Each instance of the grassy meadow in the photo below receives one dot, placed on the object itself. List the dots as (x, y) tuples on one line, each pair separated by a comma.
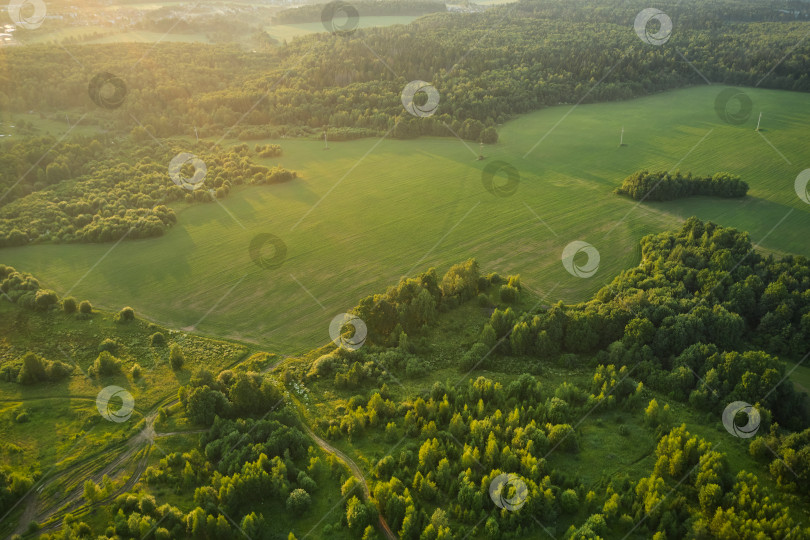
[(366, 212), (289, 31)]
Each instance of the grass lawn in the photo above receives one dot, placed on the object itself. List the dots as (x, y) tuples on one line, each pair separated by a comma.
[(366, 212)]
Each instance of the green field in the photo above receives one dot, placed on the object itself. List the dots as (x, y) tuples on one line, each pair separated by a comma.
[(289, 31), (278, 31), (414, 204)]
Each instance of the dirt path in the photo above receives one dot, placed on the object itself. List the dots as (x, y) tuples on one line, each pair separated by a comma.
[(355, 471), (136, 450)]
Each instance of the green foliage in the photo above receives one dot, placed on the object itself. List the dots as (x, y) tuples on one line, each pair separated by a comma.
[(105, 364), (509, 294), (461, 280), (157, 339), (126, 314), (176, 357), (110, 191), (245, 394), (357, 515), (663, 186), (569, 501), (69, 305), (298, 501), (110, 345), (85, 307), (33, 369), (45, 299)]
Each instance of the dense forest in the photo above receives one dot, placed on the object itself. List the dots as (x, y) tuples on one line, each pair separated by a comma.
[(523, 59), (663, 186), (649, 341), (474, 408)]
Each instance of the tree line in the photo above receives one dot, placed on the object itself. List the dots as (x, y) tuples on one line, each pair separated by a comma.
[(664, 186), (528, 55)]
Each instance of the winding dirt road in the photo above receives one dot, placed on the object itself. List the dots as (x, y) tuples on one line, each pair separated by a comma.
[(137, 450), (355, 471)]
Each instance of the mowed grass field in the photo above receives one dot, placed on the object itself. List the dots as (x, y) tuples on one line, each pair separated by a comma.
[(289, 31), (364, 213)]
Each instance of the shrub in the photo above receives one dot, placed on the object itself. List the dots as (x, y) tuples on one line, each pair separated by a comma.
[(106, 364), (32, 370), (126, 314), (136, 371), (483, 300), (69, 305), (157, 339), (569, 501), (109, 345), (85, 307), (509, 294), (45, 299), (21, 418), (563, 435), (55, 370), (415, 368), (298, 501), (476, 358), (176, 357)]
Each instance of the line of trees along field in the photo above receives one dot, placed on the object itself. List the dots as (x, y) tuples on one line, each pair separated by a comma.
[(651, 329), (663, 186), (528, 55)]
